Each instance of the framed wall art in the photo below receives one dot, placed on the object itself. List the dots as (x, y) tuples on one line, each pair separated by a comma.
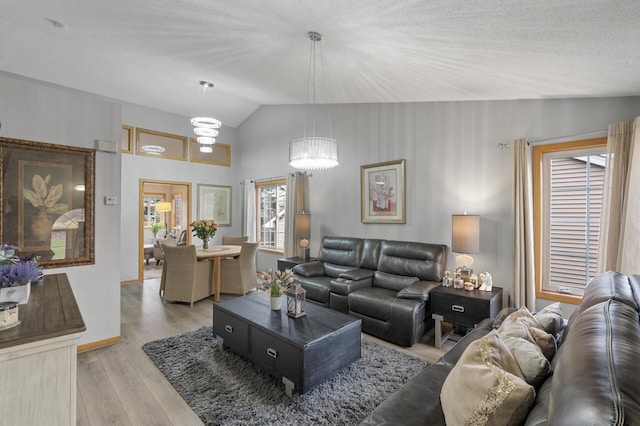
[(47, 201), (214, 202), (382, 190)]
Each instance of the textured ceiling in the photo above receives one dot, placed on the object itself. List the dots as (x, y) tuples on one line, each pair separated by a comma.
[(256, 52)]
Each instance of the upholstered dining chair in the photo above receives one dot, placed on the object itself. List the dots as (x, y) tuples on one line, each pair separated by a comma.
[(182, 239), (158, 253), (239, 275), (234, 241), (184, 277)]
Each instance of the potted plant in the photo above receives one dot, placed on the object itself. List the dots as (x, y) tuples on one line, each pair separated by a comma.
[(275, 283), (204, 229), (16, 275), (155, 228)]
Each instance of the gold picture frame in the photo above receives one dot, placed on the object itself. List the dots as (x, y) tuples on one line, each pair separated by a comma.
[(47, 201), (382, 192)]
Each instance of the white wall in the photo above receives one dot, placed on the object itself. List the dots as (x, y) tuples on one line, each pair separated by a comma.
[(136, 167), (42, 113), (453, 163)]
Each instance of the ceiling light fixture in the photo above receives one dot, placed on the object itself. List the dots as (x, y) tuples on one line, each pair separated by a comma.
[(312, 152), (153, 149), (206, 149), (205, 127)]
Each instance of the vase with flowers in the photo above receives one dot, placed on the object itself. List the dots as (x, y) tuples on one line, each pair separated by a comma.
[(16, 275), (204, 229), (275, 283)]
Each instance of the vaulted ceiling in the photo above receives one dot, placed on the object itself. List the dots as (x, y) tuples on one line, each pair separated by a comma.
[(256, 52)]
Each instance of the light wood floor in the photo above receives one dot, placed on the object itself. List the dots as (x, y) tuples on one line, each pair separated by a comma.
[(119, 385)]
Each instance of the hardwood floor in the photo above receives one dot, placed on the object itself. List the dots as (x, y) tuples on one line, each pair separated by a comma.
[(119, 385)]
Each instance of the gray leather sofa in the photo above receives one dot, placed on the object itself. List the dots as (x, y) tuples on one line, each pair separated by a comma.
[(384, 283), (592, 378)]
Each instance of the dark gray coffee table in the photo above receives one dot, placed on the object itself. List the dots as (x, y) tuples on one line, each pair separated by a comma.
[(303, 352)]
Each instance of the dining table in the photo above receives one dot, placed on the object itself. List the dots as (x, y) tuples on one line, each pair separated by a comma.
[(215, 253)]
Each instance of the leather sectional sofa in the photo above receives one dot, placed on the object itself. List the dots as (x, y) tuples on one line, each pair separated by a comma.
[(591, 380), (384, 283)]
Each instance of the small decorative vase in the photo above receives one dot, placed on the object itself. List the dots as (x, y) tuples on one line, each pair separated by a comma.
[(276, 303), (19, 294), (205, 243)]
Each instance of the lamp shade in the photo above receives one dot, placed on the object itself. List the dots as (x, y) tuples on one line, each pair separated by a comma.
[(465, 233), (303, 225), (163, 206)]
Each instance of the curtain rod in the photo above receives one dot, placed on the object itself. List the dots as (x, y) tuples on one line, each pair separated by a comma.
[(557, 139)]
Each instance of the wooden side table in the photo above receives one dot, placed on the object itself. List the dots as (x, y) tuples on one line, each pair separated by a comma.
[(290, 262), (463, 308)]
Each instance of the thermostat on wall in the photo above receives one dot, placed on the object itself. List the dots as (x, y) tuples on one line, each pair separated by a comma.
[(110, 200)]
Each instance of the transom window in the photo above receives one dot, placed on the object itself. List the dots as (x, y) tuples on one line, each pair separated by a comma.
[(271, 202), (568, 189)]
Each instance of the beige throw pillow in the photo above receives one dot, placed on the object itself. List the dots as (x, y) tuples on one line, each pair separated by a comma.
[(486, 386), (544, 340), (550, 318)]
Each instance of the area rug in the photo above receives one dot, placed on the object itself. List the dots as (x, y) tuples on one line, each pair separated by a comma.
[(224, 389)]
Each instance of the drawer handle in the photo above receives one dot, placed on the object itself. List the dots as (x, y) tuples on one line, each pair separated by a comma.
[(272, 353), (457, 308), (228, 328)]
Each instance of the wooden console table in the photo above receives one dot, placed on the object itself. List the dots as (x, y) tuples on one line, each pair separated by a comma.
[(38, 358)]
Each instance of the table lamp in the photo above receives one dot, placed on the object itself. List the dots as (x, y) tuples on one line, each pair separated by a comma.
[(303, 232), (465, 239)]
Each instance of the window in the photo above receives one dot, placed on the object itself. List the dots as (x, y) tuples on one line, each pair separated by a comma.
[(151, 216), (568, 185), (271, 202)]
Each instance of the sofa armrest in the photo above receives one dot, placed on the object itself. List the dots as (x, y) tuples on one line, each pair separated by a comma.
[(357, 274), (309, 269), (343, 286), (419, 290)]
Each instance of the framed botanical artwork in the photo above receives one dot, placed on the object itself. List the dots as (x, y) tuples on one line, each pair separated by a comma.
[(47, 201), (214, 202), (382, 190)]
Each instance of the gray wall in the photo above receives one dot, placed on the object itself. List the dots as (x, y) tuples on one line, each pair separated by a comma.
[(136, 167), (43, 113), (453, 163)]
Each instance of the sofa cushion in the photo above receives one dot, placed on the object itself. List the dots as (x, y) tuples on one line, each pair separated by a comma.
[(334, 271), (317, 288), (373, 302), (486, 386), (370, 254), (419, 290), (532, 362), (522, 323), (425, 261), (595, 379), (345, 251)]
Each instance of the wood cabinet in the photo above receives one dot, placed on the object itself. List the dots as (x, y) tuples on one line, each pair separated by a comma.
[(38, 358)]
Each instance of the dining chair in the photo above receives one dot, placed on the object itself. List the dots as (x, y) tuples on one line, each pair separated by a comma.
[(184, 277), (234, 241), (239, 275)]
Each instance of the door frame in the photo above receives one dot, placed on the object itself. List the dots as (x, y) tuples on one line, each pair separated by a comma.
[(187, 202)]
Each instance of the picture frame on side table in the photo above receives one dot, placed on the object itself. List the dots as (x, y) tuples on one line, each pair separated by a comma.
[(47, 201), (214, 202), (382, 188)]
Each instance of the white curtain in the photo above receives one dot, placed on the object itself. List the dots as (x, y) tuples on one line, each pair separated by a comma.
[(290, 249), (249, 211), (524, 277), (296, 189), (619, 223)]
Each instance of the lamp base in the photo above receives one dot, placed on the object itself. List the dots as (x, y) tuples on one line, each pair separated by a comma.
[(303, 253)]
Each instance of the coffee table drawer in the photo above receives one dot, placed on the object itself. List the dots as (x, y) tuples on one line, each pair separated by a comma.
[(233, 331), (275, 356)]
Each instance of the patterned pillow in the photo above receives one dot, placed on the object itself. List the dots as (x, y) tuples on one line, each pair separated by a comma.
[(486, 386)]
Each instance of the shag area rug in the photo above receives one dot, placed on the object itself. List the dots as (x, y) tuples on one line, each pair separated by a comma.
[(225, 389)]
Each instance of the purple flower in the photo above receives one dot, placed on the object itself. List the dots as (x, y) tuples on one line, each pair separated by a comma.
[(21, 273)]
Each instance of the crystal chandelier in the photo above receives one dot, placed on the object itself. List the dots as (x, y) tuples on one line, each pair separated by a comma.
[(205, 127), (312, 152)]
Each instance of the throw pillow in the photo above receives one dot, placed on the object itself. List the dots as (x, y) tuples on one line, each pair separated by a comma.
[(550, 317), (523, 319), (486, 387), (523, 314), (532, 362)]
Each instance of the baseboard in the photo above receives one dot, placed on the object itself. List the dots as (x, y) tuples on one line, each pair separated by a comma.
[(99, 344)]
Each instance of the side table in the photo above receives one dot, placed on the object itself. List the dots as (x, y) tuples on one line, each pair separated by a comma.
[(463, 308), (290, 262)]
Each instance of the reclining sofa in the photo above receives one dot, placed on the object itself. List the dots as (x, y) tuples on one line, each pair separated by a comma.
[(591, 379), (384, 283)]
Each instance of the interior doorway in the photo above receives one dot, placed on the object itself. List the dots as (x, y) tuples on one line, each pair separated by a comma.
[(164, 212)]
